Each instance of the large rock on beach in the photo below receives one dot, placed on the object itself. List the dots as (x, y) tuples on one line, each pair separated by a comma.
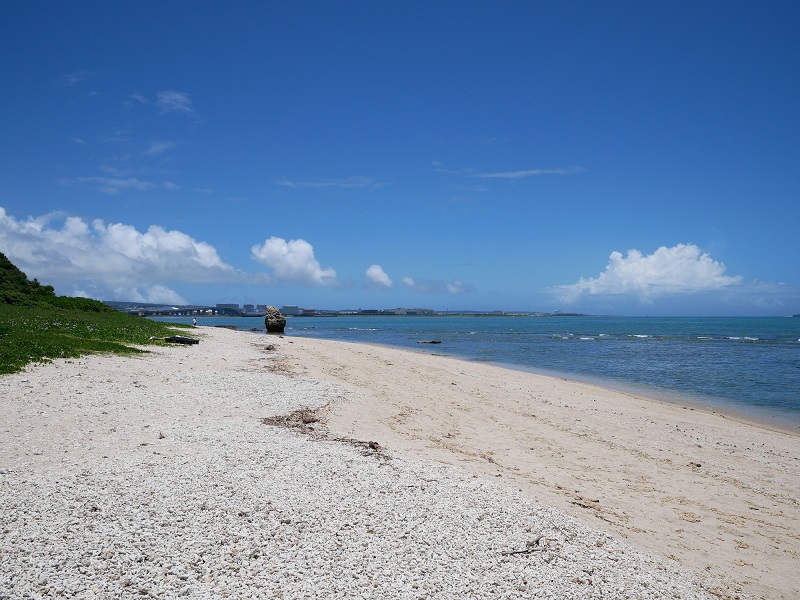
[(274, 320)]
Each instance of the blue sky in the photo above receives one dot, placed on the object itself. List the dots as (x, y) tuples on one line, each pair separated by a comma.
[(610, 158)]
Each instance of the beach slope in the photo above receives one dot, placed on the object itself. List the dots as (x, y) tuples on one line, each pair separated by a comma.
[(186, 473), (706, 490)]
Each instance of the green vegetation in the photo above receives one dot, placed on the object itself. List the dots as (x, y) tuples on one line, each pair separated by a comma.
[(37, 326)]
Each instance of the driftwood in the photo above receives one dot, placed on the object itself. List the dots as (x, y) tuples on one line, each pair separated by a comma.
[(535, 545), (526, 551), (179, 339)]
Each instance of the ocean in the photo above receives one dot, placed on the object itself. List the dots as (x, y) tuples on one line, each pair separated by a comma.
[(746, 365)]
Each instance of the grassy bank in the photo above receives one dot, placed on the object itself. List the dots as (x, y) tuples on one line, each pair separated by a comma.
[(38, 326), (40, 333)]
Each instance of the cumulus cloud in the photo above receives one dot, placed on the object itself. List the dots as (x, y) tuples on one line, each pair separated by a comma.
[(376, 276), (109, 260), (293, 262), (437, 287), (681, 269)]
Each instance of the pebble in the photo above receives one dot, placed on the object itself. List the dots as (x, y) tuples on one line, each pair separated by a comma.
[(235, 508)]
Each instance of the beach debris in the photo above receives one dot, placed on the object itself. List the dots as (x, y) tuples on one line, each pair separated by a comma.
[(429, 341), (585, 502), (488, 458), (370, 448), (180, 339), (311, 422), (274, 320), (537, 544), (297, 419)]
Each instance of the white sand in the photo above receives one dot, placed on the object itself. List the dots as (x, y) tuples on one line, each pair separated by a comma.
[(155, 476), (714, 494)]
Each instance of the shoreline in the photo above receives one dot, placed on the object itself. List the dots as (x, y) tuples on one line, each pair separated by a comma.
[(691, 485), (155, 475), (673, 397), (670, 397), (769, 416), (651, 394)]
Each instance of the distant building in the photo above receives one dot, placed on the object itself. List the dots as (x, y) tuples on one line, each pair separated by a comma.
[(251, 310), (290, 309), (227, 310)]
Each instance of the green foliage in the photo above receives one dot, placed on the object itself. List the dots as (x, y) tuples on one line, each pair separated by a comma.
[(16, 288), (85, 304), (38, 326), (41, 333)]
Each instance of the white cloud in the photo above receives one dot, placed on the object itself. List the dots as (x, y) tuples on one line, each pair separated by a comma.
[(681, 269), (457, 287), (109, 260), (529, 173), (293, 262), (171, 101), (72, 80), (116, 185), (139, 98), (157, 294), (378, 277), (112, 185), (518, 174), (159, 147), (436, 287), (347, 183)]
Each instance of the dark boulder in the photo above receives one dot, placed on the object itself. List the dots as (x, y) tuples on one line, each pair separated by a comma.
[(274, 320)]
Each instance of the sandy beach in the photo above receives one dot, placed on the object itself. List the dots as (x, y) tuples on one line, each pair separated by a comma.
[(697, 487), (157, 475)]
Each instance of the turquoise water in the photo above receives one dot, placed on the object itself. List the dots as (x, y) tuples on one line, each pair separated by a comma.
[(749, 365)]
